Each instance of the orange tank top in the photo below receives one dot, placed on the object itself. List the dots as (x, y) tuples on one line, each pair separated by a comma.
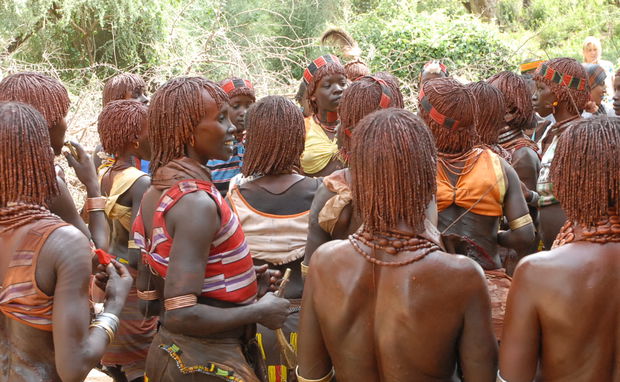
[(481, 190), (20, 297)]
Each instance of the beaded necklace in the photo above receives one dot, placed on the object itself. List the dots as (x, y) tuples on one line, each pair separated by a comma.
[(469, 159), (606, 230), (328, 127), (391, 243)]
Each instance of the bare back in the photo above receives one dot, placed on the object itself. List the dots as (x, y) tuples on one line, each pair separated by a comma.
[(407, 323), (571, 295)]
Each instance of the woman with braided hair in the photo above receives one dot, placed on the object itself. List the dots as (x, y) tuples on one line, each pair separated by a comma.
[(562, 89), (375, 306), (123, 131), (242, 96), (120, 87), (543, 335), (524, 157), (325, 81), (332, 214), (475, 187), (597, 81), (273, 208), (198, 266), (48, 96), (45, 265)]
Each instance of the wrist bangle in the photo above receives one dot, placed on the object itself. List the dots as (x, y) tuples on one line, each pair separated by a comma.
[(520, 222), (96, 203), (499, 378), (148, 295), (326, 378)]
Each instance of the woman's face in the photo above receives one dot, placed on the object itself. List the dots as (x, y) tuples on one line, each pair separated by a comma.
[(597, 93), (213, 136), (590, 53), (543, 99), (57, 136), (329, 91), (617, 95), (237, 108), (144, 143)]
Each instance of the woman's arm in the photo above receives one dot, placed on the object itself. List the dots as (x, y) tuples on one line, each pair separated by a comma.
[(193, 222), (521, 235)]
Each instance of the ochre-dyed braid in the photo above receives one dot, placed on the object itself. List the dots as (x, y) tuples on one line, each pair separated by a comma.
[(324, 71), (456, 101), (575, 99), (275, 137), (120, 123), (356, 69), (360, 99), (585, 171), (174, 112), (27, 176), (392, 151), (491, 111), (117, 87), (45, 94), (517, 96)]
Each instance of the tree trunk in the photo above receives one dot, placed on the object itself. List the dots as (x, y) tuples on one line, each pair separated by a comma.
[(486, 9), (18, 41)]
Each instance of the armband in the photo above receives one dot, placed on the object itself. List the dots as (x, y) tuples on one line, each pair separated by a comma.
[(96, 204), (179, 302), (520, 222), (304, 270), (148, 295)]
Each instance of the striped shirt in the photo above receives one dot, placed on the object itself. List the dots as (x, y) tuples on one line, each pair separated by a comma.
[(222, 171), (229, 275)]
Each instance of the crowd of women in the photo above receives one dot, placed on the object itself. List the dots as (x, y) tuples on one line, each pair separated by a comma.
[(226, 237)]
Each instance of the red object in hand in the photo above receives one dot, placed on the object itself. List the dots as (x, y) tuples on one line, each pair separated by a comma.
[(103, 256)]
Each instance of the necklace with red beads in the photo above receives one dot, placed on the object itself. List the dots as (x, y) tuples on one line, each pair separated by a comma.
[(391, 243), (606, 230)]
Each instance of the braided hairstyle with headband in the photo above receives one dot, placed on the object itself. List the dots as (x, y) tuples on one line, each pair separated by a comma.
[(491, 111), (46, 94), (451, 112), (117, 87), (275, 137), (235, 86), (517, 96), (323, 66), (27, 176), (588, 184), (176, 108), (393, 151), (364, 96), (120, 123), (568, 81)]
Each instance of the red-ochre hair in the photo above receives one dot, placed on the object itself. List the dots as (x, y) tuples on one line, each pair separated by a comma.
[(275, 137), (361, 98), (120, 123), (116, 88), (392, 151), (517, 96), (448, 99), (575, 98), (586, 169), (176, 108), (492, 110), (26, 162), (235, 86), (46, 94)]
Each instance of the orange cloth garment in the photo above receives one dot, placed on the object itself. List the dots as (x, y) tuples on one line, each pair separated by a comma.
[(20, 297), (482, 189)]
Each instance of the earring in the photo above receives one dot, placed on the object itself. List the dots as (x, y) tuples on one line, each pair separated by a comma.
[(554, 104), (136, 145)]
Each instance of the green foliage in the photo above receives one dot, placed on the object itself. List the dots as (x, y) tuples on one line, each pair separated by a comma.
[(470, 48)]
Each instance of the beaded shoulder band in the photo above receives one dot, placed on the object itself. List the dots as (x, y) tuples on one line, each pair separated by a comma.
[(435, 115)]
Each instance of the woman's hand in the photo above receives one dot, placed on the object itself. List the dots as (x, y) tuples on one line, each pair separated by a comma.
[(268, 279), (116, 281), (84, 168), (274, 311)]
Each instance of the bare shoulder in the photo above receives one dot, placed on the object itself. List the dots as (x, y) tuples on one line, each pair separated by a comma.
[(329, 252), (67, 243), (462, 270)]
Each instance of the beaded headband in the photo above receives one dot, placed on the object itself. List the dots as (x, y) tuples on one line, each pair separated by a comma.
[(384, 102), (528, 66), (236, 83), (435, 114), (559, 78), (596, 76), (316, 64)]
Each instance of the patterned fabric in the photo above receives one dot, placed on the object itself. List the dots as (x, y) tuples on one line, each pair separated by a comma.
[(544, 186), (319, 150), (230, 274), (277, 239), (482, 189), (20, 297), (223, 171)]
